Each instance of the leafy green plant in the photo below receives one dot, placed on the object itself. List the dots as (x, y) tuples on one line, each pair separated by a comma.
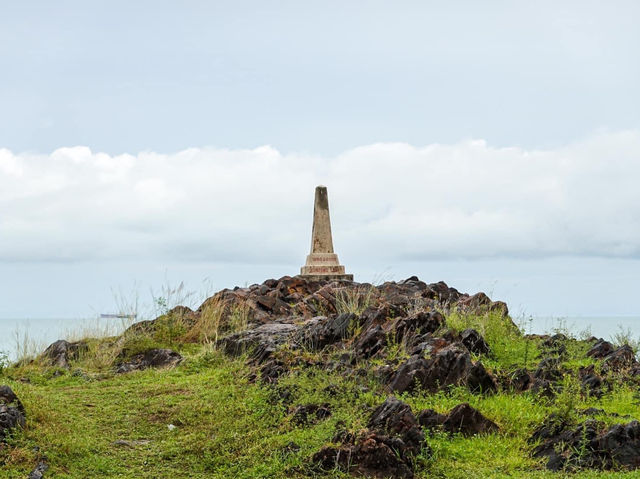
[(4, 361)]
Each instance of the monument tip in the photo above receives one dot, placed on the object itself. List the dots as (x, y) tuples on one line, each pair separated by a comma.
[(322, 262)]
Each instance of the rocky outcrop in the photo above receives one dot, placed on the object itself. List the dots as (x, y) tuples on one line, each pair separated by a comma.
[(449, 366), (386, 449), (12, 414), (153, 358), (468, 421), (474, 342), (60, 353), (266, 336), (589, 444), (462, 419)]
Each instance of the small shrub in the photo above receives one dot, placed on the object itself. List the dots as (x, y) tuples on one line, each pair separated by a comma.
[(354, 300), (207, 328), (624, 336), (4, 361)]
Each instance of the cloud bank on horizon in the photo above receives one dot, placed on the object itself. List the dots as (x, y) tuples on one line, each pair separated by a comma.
[(389, 201)]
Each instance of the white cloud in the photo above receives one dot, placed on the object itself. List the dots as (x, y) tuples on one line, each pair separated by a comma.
[(389, 201)]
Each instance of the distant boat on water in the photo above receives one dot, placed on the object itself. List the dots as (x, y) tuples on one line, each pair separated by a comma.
[(118, 316)]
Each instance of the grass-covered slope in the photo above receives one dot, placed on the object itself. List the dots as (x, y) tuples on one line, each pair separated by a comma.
[(215, 415)]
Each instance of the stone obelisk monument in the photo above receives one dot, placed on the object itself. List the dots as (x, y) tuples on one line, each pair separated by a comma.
[(322, 263)]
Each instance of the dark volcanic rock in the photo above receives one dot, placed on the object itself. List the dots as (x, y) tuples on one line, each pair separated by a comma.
[(386, 450), (468, 421), (321, 331), (430, 419), (11, 412), (589, 444), (449, 366), (370, 342), (590, 381), (620, 359), (9, 398), (61, 352), (548, 370), (410, 374), (153, 358), (474, 342), (269, 335), (520, 380), (373, 456), (417, 325), (393, 417), (600, 349), (480, 381)]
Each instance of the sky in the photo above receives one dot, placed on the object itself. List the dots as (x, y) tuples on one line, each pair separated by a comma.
[(493, 145)]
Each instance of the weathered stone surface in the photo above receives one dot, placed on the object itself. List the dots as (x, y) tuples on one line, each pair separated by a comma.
[(448, 366), (370, 342), (480, 381), (39, 470), (12, 413), (417, 325), (468, 421), (153, 358), (474, 342), (266, 335), (600, 349), (386, 450), (321, 331), (589, 444), (620, 359), (61, 352), (410, 375), (430, 419)]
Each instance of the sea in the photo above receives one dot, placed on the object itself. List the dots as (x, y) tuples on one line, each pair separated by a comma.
[(28, 336), (33, 335)]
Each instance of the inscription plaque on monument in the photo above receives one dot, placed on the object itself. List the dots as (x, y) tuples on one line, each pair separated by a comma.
[(322, 262)]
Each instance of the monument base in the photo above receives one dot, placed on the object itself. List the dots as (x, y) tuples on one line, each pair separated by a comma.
[(327, 277)]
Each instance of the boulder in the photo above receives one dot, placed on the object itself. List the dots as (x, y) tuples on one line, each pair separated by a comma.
[(589, 444), (269, 335), (153, 358), (430, 419), (520, 380), (480, 381), (370, 342), (600, 349), (449, 366), (409, 375), (59, 354), (387, 449), (619, 360), (468, 421), (417, 325), (474, 342), (12, 413), (321, 331)]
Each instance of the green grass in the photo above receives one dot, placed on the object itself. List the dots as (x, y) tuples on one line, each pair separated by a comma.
[(227, 426)]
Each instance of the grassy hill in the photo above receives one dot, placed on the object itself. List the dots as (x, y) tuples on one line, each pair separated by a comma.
[(217, 414)]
